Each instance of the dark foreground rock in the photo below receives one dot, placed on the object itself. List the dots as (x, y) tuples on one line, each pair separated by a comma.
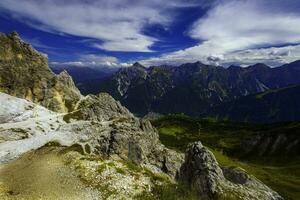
[(203, 174)]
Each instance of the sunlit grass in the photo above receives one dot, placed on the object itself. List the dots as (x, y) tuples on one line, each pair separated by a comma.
[(223, 139)]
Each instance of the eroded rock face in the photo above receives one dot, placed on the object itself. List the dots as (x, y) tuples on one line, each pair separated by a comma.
[(122, 134), (272, 144), (103, 128), (101, 107), (203, 174), (24, 73), (201, 171)]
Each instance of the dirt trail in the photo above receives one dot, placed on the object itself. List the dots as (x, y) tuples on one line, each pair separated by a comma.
[(42, 174)]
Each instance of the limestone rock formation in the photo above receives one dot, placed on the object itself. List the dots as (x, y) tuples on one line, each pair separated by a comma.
[(123, 134), (104, 128), (100, 107), (24, 73), (203, 174)]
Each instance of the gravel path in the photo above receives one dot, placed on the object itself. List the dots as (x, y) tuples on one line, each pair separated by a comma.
[(41, 174)]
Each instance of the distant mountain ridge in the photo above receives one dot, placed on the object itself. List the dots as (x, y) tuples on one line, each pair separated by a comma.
[(271, 106), (192, 88), (80, 74)]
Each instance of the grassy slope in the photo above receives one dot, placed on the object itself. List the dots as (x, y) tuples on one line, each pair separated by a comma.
[(224, 138)]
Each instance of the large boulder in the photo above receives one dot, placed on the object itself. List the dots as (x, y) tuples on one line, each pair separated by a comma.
[(202, 173)]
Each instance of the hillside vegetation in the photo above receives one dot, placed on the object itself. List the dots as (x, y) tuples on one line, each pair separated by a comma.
[(227, 140)]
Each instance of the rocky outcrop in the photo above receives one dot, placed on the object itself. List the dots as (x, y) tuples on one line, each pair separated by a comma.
[(202, 173), (100, 126), (120, 133), (24, 73), (101, 107)]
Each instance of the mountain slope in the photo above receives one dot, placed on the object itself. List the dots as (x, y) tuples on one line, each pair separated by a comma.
[(271, 106), (191, 88)]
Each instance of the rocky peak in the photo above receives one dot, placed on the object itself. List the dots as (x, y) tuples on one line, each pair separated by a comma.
[(14, 50), (101, 107), (258, 67), (24, 73), (234, 67), (199, 63), (138, 65)]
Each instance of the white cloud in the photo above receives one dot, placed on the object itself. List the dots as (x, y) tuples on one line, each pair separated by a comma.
[(231, 27), (93, 61), (236, 25), (273, 56), (118, 24)]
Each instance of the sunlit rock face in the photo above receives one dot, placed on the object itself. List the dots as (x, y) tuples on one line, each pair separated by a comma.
[(24, 73)]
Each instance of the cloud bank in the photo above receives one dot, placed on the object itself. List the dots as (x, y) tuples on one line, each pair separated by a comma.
[(237, 31), (93, 61)]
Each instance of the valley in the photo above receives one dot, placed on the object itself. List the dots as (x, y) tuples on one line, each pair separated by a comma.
[(279, 170)]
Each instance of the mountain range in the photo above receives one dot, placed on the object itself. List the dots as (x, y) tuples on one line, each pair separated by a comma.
[(81, 74), (197, 89), (274, 105)]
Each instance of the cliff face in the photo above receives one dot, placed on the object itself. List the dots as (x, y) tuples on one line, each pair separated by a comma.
[(24, 73)]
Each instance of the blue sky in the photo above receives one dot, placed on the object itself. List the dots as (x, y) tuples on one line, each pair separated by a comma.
[(101, 33)]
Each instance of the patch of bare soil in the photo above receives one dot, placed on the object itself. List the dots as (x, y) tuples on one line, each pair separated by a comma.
[(42, 174)]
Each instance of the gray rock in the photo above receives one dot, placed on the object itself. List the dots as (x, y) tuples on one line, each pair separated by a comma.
[(119, 133), (202, 173), (101, 107)]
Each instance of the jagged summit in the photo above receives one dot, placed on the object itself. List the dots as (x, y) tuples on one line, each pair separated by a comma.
[(137, 64), (258, 67), (192, 88), (24, 73)]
